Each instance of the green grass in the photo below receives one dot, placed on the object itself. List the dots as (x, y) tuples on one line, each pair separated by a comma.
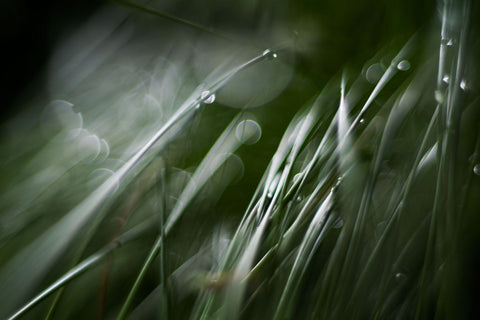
[(183, 171)]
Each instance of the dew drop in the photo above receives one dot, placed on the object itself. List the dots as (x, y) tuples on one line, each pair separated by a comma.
[(273, 186), (447, 42), (476, 169), (269, 54), (338, 223), (403, 65), (446, 78), (207, 97), (463, 85), (362, 121), (400, 277), (248, 132), (210, 99)]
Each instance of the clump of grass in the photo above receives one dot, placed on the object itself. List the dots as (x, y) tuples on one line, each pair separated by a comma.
[(365, 208)]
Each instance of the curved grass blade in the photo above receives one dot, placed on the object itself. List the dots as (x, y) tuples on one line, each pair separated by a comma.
[(57, 238), (227, 143), (84, 266)]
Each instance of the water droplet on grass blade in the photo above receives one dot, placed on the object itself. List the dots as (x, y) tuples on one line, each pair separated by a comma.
[(269, 54), (207, 97), (273, 185), (476, 169), (463, 85), (248, 132), (251, 86), (446, 78), (447, 42), (297, 177), (403, 65)]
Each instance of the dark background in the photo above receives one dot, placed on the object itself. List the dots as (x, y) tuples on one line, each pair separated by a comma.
[(28, 33), (345, 31)]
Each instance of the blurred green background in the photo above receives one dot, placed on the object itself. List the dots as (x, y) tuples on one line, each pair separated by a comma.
[(330, 33)]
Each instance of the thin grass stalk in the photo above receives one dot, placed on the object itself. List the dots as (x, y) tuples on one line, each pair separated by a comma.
[(445, 145), (317, 228), (84, 266), (225, 144)]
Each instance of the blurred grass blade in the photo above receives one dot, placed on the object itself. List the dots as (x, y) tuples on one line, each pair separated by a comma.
[(84, 266), (226, 144)]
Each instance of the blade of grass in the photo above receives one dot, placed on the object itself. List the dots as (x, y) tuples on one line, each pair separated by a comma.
[(84, 266), (225, 144)]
